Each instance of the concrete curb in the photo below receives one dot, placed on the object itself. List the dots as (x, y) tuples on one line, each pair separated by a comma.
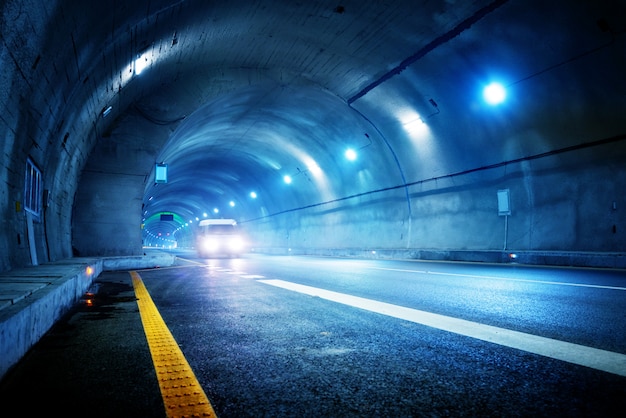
[(32, 299)]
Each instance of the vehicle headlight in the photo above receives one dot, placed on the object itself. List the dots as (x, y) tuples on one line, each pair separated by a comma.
[(210, 244)]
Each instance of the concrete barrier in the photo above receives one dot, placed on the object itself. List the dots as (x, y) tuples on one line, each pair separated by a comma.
[(32, 299)]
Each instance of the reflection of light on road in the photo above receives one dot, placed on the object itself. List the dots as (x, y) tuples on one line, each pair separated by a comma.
[(477, 276), (182, 393), (572, 353)]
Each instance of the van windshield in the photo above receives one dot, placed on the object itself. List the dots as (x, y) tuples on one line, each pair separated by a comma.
[(219, 229)]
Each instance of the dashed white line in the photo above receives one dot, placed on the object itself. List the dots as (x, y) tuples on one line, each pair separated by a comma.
[(572, 353)]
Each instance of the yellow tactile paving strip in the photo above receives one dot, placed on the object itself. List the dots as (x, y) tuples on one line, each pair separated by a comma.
[(182, 394)]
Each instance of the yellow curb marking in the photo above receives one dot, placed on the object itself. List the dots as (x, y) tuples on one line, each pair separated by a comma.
[(182, 394)]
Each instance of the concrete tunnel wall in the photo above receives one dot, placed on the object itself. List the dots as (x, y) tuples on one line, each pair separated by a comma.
[(554, 197), (558, 202)]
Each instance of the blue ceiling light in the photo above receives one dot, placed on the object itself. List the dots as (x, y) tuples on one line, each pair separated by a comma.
[(350, 154), (287, 179), (494, 93), (253, 195), (140, 64)]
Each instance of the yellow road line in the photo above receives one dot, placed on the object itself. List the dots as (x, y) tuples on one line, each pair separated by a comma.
[(182, 394)]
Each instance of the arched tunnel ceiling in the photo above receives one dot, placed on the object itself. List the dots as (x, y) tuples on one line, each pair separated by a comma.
[(251, 91), (247, 141)]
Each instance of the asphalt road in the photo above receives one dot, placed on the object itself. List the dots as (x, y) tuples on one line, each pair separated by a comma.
[(324, 337)]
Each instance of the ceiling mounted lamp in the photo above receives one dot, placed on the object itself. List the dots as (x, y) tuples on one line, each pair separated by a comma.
[(140, 64), (350, 154), (494, 93), (105, 112)]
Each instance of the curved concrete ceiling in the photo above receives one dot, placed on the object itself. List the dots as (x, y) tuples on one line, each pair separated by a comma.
[(286, 89), (233, 96)]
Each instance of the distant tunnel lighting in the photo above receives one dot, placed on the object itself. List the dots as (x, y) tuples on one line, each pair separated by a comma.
[(350, 154), (205, 214), (287, 179), (253, 195), (106, 111), (140, 65), (216, 210), (494, 93), (232, 204), (312, 167)]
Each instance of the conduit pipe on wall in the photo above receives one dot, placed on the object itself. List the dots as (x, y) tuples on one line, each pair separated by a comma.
[(446, 37)]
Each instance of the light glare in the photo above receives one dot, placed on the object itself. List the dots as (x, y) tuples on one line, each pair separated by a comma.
[(351, 154), (140, 65), (494, 93)]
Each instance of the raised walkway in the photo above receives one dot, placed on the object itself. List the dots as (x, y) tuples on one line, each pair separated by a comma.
[(33, 298)]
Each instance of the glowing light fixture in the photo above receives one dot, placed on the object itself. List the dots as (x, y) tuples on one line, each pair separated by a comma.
[(105, 112), (312, 167), (232, 204), (351, 154), (494, 93), (140, 64), (287, 179), (253, 195)]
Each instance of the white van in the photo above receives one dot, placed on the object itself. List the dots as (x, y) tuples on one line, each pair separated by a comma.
[(219, 237)]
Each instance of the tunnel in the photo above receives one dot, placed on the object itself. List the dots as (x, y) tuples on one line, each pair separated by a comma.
[(488, 131)]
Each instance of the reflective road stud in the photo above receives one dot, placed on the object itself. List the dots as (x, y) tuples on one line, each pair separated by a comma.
[(182, 394)]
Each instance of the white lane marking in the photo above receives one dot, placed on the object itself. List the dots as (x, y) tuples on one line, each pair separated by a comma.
[(607, 361), (512, 279)]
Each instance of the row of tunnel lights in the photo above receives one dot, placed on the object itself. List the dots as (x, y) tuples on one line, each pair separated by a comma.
[(493, 94), (350, 154)]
